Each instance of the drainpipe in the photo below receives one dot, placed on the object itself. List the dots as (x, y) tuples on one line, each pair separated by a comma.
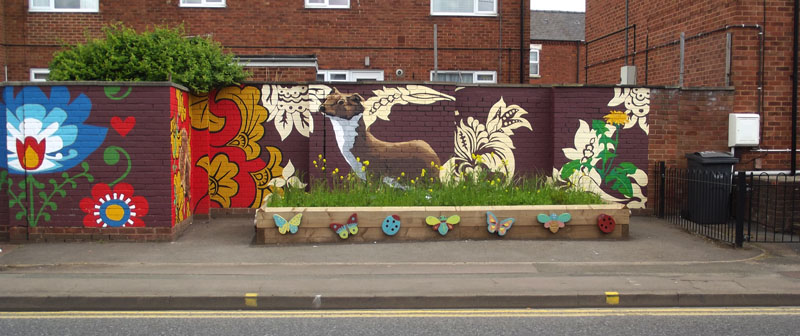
[(522, 41), (794, 88), (626, 32)]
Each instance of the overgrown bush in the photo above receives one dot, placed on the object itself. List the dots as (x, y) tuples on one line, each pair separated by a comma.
[(198, 63)]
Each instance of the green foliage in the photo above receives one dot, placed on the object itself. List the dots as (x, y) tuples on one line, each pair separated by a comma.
[(479, 189), (198, 63)]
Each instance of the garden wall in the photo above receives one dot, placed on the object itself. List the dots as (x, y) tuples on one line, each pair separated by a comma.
[(253, 140), (94, 161), (138, 162)]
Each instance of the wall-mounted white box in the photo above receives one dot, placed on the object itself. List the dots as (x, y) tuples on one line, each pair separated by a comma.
[(627, 75), (743, 129)]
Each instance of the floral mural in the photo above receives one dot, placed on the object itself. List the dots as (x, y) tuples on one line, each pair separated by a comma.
[(240, 171), (66, 152), (181, 157), (41, 138), (592, 165), (91, 152)]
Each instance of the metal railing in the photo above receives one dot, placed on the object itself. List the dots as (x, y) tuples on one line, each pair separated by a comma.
[(731, 207)]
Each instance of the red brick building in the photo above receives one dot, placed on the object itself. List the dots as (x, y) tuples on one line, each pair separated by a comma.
[(556, 43), (745, 45), (297, 40)]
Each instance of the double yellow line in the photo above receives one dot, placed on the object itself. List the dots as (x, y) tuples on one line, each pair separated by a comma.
[(422, 313)]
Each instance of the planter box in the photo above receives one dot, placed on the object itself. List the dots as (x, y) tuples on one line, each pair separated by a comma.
[(315, 224)]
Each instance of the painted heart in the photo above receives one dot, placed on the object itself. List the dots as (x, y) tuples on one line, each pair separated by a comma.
[(123, 127)]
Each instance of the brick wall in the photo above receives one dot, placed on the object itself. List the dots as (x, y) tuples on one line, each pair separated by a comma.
[(558, 63), (394, 37), (232, 147), (112, 170), (662, 23)]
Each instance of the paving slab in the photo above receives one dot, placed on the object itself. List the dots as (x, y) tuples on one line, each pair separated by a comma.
[(214, 265)]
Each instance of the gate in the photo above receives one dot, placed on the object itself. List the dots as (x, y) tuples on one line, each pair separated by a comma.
[(731, 208)]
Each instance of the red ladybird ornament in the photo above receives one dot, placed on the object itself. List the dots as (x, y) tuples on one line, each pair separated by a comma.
[(606, 223)]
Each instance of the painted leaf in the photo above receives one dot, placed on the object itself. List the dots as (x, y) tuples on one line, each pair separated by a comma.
[(380, 105), (628, 167), (569, 168), (606, 155), (621, 181), (599, 127), (290, 107)]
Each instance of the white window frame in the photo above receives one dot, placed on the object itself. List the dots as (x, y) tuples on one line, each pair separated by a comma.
[(39, 71), (326, 4), (204, 4), (351, 75), (90, 8), (535, 48), (474, 75), (475, 11)]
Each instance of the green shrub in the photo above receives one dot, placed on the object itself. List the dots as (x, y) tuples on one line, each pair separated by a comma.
[(198, 63)]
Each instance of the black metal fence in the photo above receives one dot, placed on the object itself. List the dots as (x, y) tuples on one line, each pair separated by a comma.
[(731, 207)]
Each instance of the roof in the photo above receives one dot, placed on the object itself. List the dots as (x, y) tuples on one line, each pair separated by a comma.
[(559, 26)]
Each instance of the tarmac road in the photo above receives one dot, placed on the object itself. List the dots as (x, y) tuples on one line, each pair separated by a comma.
[(590, 322)]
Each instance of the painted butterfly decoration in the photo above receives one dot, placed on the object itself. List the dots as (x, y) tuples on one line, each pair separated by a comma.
[(285, 226), (554, 222), (345, 230), (443, 224), (500, 227)]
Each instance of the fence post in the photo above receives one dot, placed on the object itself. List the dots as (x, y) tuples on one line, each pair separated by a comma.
[(662, 190), (741, 191)]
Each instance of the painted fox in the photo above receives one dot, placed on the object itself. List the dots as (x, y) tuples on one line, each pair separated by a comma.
[(388, 159)]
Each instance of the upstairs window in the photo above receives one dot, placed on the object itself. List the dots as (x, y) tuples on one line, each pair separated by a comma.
[(477, 77), (327, 3), (91, 6), (202, 3), (463, 7), (350, 75), (39, 74), (535, 50)]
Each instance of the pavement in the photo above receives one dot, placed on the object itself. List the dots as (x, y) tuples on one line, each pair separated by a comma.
[(214, 265)]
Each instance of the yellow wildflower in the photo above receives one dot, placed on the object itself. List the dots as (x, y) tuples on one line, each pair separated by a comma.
[(319, 156), (430, 190), (402, 173), (366, 162), (363, 168), (323, 168), (433, 164), (324, 160), (341, 177), (616, 118), (412, 182), (423, 172)]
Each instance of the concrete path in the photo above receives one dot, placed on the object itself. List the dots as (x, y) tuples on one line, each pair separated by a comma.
[(215, 266)]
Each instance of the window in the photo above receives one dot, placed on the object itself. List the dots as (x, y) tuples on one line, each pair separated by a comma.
[(39, 74), (64, 5), (463, 7), (327, 3), (478, 77), (535, 50), (349, 75), (202, 3)]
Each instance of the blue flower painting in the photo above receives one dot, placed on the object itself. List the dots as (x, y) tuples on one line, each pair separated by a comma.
[(47, 134)]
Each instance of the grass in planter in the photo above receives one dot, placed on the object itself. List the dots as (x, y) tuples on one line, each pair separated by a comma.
[(424, 190)]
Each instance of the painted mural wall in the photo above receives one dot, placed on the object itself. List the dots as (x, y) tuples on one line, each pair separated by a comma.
[(106, 157), (92, 156), (253, 140)]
